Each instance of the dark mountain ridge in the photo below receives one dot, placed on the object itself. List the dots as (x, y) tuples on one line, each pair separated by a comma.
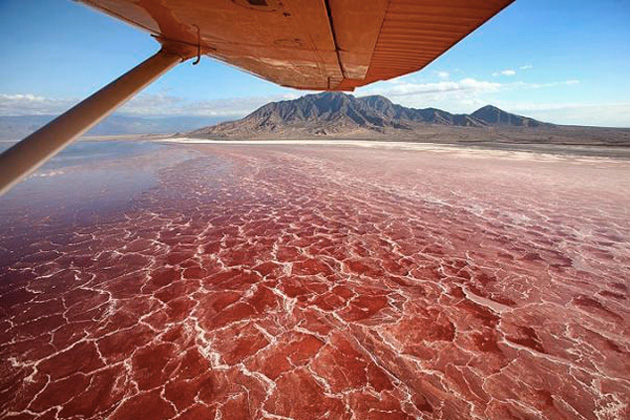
[(340, 114)]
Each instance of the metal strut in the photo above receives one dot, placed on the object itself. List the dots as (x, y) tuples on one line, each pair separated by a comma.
[(198, 46), (32, 152)]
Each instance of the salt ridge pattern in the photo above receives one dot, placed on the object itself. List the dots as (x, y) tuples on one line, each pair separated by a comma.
[(287, 282)]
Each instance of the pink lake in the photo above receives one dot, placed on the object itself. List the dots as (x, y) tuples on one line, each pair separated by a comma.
[(305, 282)]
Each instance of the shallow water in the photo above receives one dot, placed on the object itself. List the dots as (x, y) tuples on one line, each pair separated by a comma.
[(86, 151)]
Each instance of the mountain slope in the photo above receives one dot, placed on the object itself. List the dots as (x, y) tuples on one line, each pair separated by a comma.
[(342, 115)]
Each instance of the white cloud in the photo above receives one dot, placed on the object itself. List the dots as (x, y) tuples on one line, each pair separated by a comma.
[(458, 96), (524, 85), (526, 67), (576, 113), (166, 105), (25, 98), (142, 105), (29, 104), (507, 72), (407, 88), (399, 79), (443, 74)]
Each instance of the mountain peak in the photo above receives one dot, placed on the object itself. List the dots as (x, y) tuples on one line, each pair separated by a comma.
[(492, 115), (326, 96), (330, 94), (488, 107), (376, 98)]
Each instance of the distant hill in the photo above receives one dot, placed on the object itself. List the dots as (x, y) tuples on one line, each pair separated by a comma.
[(339, 115), (18, 127)]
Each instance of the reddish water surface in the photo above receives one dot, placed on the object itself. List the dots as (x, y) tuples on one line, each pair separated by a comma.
[(304, 282)]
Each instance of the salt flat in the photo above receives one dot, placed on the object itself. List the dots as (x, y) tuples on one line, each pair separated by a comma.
[(306, 281)]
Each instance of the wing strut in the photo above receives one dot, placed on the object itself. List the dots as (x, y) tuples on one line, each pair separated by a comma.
[(32, 152)]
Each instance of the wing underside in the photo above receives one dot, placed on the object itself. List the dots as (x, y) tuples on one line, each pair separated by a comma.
[(312, 44)]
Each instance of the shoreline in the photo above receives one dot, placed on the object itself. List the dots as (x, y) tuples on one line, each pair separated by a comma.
[(499, 148), (598, 152)]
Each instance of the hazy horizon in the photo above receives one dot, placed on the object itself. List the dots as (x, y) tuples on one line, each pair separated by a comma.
[(14, 127)]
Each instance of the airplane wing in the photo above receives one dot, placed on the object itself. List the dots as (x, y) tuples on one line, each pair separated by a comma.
[(312, 44), (303, 44)]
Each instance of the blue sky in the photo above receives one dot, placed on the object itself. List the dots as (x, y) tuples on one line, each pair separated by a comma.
[(557, 60)]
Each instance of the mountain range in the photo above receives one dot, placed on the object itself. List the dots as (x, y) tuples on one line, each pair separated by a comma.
[(340, 115)]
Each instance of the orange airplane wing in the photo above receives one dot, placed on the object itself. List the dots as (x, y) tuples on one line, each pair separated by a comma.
[(304, 44), (312, 44)]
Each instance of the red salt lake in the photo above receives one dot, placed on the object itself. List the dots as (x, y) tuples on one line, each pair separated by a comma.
[(317, 282)]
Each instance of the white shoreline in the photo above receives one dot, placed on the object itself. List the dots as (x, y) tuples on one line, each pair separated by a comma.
[(331, 142), (466, 150)]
